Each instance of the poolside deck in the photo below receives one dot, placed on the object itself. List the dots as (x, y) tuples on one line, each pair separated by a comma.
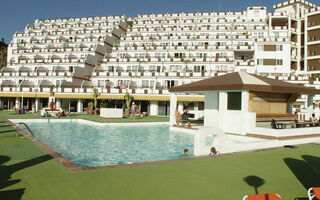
[(29, 173)]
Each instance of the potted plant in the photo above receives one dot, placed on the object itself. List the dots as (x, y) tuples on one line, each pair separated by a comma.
[(95, 95), (90, 106), (128, 99)]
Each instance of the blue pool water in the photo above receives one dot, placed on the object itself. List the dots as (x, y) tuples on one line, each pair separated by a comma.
[(89, 145)]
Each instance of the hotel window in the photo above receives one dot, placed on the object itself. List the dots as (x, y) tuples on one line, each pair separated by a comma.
[(261, 35), (129, 68), (110, 68), (152, 68), (101, 83), (261, 47), (234, 101), (259, 61), (279, 48), (201, 106), (279, 62), (197, 68), (190, 106), (147, 84)]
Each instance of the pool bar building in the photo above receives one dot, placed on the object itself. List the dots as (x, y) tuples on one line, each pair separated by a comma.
[(148, 54), (236, 101)]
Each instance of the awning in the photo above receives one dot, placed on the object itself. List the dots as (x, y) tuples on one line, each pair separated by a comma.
[(88, 96), (26, 95), (190, 98), (136, 97), (151, 98), (73, 96)]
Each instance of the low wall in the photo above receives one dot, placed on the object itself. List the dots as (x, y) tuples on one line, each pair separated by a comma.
[(111, 112), (288, 132)]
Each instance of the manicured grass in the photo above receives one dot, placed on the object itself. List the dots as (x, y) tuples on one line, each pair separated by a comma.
[(26, 171), (97, 118)]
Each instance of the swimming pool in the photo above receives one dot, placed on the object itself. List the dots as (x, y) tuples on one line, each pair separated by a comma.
[(89, 145)]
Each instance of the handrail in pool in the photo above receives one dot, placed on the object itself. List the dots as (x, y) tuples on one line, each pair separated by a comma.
[(22, 123)]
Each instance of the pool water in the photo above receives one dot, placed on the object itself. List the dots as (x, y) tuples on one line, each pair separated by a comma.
[(88, 145)]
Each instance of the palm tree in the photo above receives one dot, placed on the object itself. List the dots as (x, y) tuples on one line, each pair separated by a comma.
[(95, 95)]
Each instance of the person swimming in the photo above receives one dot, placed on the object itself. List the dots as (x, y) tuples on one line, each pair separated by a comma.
[(213, 152), (185, 152)]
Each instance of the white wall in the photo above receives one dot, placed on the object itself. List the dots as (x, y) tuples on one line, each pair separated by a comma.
[(285, 55), (211, 112), (217, 115)]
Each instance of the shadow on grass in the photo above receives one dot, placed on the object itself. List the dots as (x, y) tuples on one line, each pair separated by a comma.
[(306, 171), (254, 181), (6, 125), (8, 131), (12, 194), (7, 171)]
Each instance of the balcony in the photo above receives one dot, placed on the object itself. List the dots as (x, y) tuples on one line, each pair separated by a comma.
[(243, 63)]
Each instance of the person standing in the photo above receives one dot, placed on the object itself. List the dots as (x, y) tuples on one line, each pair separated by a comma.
[(133, 110), (178, 117)]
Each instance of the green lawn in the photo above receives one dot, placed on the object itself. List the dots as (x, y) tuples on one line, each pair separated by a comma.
[(28, 115), (26, 171)]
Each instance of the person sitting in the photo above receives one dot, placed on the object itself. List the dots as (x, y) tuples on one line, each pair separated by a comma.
[(314, 120), (138, 111), (213, 152), (61, 114), (52, 105), (185, 117), (122, 86)]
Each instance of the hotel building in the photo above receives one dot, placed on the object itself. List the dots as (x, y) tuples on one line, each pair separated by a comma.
[(147, 54)]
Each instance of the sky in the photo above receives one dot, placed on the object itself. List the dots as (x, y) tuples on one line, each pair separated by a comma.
[(16, 14)]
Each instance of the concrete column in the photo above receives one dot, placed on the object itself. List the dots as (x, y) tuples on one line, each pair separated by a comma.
[(153, 108), (58, 103), (18, 102), (298, 53), (180, 107), (270, 25), (245, 101), (173, 106), (309, 106), (80, 105), (211, 113), (36, 102), (305, 44), (223, 102), (317, 110)]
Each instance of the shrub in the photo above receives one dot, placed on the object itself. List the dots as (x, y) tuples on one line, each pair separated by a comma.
[(90, 105), (104, 104), (65, 106)]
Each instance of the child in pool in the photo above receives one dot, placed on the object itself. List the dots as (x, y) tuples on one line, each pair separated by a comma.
[(213, 152), (186, 152)]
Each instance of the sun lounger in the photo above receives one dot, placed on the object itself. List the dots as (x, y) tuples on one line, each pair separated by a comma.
[(314, 193), (271, 196), (276, 125)]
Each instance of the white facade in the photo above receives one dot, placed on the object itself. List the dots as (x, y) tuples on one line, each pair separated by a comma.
[(148, 54)]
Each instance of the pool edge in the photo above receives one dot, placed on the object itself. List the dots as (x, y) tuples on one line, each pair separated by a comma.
[(73, 167)]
